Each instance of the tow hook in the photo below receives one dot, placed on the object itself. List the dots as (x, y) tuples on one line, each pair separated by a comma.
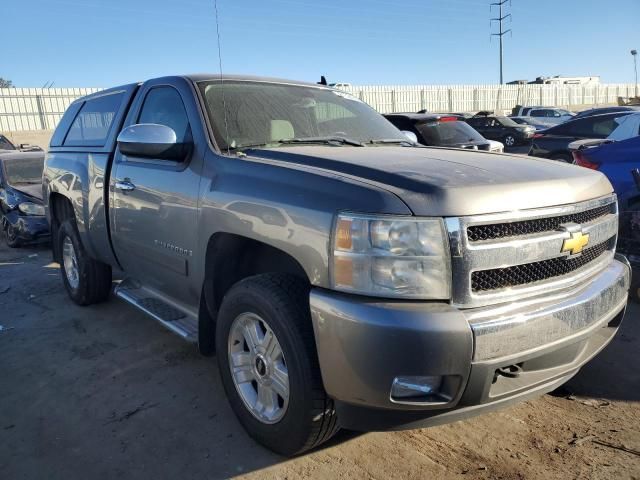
[(510, 371)]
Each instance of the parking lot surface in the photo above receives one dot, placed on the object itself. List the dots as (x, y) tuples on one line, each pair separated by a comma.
[(105, 392)]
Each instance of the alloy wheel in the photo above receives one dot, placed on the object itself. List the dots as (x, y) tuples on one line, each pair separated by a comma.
[(258, 368), (70, 262)]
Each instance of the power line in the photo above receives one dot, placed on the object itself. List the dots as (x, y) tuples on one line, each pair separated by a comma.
[(501, 18)]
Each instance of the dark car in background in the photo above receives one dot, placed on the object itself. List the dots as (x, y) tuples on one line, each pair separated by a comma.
[(455, 114), (599, 111), (437, 130), (618, 157), (620, 162), (553, 143), (6, 144), (22, 214), (502, 129)]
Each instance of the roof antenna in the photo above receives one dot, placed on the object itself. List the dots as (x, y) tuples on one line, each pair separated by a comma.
[(224, 103)]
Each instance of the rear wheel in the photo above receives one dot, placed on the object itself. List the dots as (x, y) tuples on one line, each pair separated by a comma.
[(87, 280), (269, 366)]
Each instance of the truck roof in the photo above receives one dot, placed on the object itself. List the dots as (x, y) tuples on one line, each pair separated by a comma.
[(199, 77)]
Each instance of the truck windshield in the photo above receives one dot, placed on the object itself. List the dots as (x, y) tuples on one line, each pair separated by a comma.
[(266, 114), (23, 171), (448, 133)]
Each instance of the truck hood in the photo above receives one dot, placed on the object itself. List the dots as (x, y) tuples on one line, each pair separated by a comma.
[(450, 182)]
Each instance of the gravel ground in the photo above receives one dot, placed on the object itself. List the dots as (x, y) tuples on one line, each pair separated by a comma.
[(104, 392)]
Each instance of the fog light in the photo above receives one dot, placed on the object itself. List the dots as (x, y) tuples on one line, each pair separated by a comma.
[(407, 388)]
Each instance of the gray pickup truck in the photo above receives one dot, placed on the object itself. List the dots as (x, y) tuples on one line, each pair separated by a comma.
[(345, 276)]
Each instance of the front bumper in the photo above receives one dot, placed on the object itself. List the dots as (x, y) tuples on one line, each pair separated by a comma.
[(32, 228), (364, 343)]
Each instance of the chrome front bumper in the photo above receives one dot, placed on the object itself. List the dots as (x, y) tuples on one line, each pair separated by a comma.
[(521, 327), (364, 343)]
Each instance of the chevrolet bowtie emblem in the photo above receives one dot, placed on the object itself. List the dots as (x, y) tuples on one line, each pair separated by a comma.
[(575, 243)]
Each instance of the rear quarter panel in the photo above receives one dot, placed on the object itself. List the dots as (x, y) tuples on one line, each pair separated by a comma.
[(80, 174), (617, 160)]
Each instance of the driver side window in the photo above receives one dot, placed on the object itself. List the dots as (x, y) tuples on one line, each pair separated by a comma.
[(163, 106)]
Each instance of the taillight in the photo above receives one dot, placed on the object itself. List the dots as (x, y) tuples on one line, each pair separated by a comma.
[(579, 159), (538, 135), (448, 119)]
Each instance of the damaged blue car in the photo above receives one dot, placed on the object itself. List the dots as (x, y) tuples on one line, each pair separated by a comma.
[(22, 214)]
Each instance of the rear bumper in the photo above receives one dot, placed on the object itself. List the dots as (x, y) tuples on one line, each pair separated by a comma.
[(363, 344), (525, 137)]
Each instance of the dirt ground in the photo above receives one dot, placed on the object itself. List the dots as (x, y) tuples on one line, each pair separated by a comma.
[(105, 392)]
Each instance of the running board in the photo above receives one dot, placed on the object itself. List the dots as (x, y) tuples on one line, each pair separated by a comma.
[(175, 319)]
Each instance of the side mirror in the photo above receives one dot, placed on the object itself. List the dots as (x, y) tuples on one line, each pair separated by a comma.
[(150, 140), (410, 135)]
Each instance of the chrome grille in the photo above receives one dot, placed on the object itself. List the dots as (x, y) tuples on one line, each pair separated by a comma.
[(535, 272), (478, 233), (522, 254)]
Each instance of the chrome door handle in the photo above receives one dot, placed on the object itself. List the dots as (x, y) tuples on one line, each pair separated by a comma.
[(125, 186)]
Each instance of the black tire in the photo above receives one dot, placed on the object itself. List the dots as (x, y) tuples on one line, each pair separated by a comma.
[(509, 141), (10, 237), (94, 283), (283, 302)]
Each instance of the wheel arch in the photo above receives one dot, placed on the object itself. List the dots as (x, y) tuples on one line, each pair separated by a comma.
[(230, 258), (60, 209)]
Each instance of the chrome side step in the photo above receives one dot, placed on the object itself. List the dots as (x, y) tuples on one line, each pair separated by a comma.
[(175, 319)]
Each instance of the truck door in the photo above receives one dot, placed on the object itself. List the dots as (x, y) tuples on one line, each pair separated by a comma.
[(154, 201)]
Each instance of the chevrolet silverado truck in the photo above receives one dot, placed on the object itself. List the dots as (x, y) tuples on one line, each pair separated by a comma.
[(343, 275)]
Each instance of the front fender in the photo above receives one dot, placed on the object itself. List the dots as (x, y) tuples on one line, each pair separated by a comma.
[(289, 208)]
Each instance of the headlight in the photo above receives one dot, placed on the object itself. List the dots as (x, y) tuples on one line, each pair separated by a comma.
[(388, 256), (29, 208)]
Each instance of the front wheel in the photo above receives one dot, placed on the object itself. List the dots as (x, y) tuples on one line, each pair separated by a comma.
[(269, 367), (87, 280), (11, 236), (509, 140)]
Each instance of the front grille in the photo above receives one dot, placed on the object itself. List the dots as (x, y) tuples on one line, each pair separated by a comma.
[(497, 278), (478, 233)]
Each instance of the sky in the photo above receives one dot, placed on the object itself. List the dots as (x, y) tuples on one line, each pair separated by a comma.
[(97, 43)]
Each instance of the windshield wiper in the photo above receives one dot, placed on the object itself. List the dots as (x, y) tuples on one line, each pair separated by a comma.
[(252, 145), (331, 140), (391, 141), (327, 140)]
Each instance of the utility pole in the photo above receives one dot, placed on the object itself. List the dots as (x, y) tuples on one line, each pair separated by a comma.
[(501, 18), (634, 53)]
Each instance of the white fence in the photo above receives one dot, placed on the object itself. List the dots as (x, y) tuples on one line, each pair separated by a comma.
[(41, 108), (35, 108), (472, 98)]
